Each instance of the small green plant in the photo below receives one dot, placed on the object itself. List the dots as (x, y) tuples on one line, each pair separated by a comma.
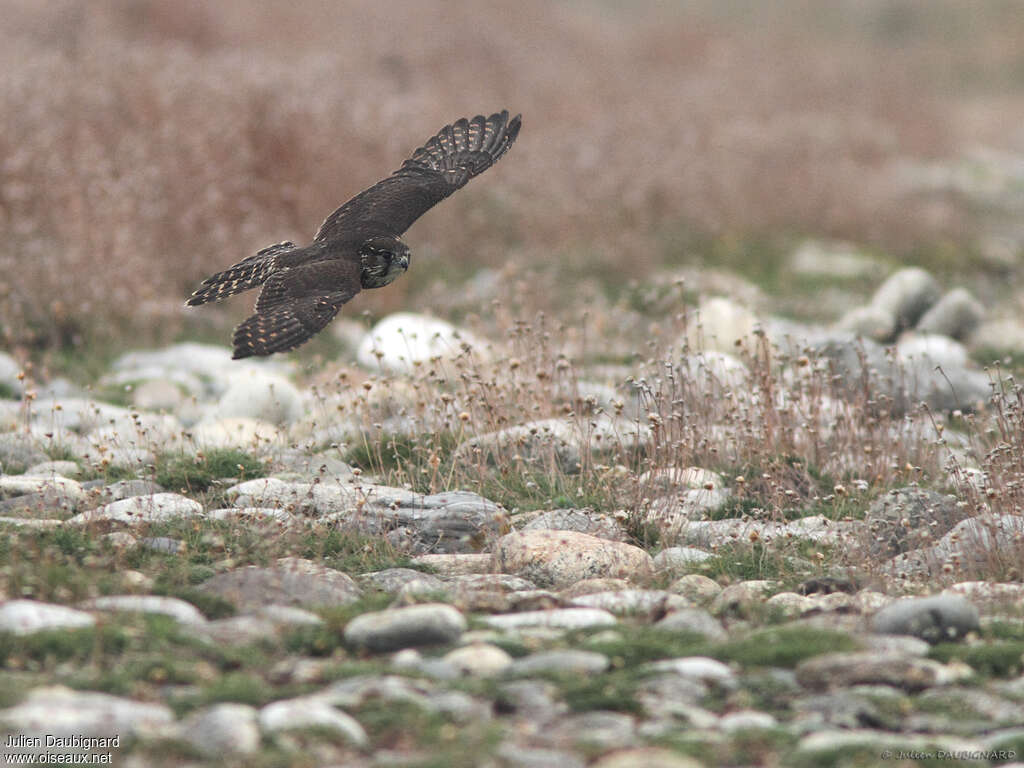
[(197, 473)]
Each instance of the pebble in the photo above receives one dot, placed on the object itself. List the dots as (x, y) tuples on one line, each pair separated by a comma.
[(559, 558), (25, 617), (479, 660), (60, 711), (179, 610), (841, 670), (293, 581), (941, 618), (562, 618), (567, 662), (410, 627), (137, 510), (311, 712), (222, 730)]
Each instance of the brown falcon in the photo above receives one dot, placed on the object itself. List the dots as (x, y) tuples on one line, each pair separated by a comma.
[(359, 245)]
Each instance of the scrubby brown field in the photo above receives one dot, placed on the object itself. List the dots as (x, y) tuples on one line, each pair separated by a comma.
[(143, 144)]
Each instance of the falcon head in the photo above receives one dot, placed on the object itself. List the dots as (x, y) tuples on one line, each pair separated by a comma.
[(383, 259)]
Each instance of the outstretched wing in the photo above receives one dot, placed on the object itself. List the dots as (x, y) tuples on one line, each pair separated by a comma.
[(445, 163), (296, 304)]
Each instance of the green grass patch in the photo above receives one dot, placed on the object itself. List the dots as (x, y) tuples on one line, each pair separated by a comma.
[(197, 473), (781, 646), (615, 691), (788, 562), (641, 644), (1000, 658), (403, 726)]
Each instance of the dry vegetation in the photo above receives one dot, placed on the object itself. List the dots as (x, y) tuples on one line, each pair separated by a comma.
[(145, 143)]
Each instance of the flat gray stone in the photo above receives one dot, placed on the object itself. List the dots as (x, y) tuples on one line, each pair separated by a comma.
[(560, 558), (154, 508), (479, 660), (60, 711), (907, 294), (179, 610), (680, 559), (222, 730), (410, 627), (940, 618), (841, 670), (693, 620), (562, 618), (292, 581), (567, 662), (25, 617), (957, 315), (311, 712), (633, 602)]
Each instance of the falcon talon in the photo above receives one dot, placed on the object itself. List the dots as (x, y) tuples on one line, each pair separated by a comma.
[(359, 245)]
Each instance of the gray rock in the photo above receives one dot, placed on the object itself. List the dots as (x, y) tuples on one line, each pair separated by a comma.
[(154, 508), (907, 295), (163, 544), (261, 396), (392, 580), (746, 720), (292, 581), (940, 618), (264, 516), (19, 451), (646, 757), (650, 603), (693, 621), (909, 518), (126, 489), (840, 670), (568, 662), (179, 610), (579, 520), (222, 730), (404, 341), (479, 660), (453, 522), (60, 711), (669, 695), (702, 668), (311, 712), (555, 443), (937, 370), (9, 371), (956, 315), (559, 558), (739, 598), (67, 469), (539, 700), (456, 565), (846, 709), (24, 617), (696, 587), (160, 394), (410, 627), (240, 630), (677, 559), (596, 729), (513, 755), (563, 618), (289, 616), (871, 322)]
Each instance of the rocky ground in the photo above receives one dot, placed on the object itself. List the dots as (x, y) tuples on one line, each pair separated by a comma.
[(756, 543)]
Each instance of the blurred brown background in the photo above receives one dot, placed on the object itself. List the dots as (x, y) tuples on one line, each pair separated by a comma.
[(148, 143)]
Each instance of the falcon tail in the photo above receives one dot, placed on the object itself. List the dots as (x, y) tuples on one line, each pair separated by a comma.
[(246, 274)]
